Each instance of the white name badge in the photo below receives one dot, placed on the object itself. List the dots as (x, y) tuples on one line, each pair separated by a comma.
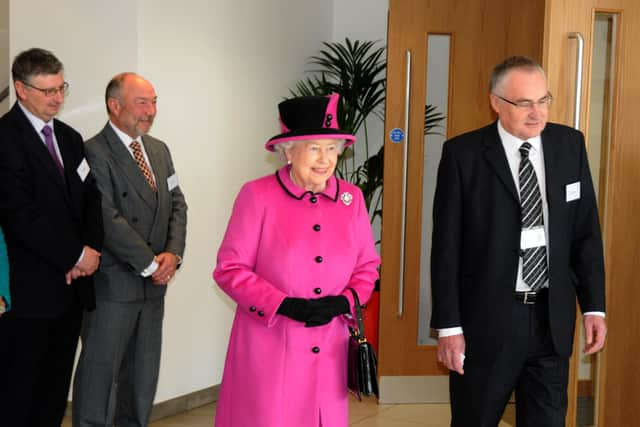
[(172, 181), (573, 191), (532, 238), (83, 170)]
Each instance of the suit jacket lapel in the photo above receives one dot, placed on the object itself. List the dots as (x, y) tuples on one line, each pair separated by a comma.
[(124, 160), (157, 163), (159, 168), (497, 159), (38, 149), (550, 153), (73, 183)]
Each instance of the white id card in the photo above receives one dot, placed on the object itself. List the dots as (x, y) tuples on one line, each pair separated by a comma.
[(573, 191), (532, 238), (83, 170), (172, 181)]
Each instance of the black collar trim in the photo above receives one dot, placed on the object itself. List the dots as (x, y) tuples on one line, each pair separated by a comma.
[(301, 196)]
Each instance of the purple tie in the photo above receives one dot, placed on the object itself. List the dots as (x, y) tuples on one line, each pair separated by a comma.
[(48, 139)]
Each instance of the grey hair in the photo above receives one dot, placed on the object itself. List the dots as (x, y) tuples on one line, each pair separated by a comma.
[(512, 63), (34, 62)]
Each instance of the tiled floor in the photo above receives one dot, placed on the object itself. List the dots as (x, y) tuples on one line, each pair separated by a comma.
[(369, 414), (362, 414)]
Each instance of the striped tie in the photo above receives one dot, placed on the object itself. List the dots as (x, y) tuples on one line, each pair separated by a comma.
[(142, 164), (534, 260)]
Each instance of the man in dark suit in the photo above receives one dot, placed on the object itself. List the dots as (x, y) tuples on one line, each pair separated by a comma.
[(145, 218), (51, 217), (516, 238)]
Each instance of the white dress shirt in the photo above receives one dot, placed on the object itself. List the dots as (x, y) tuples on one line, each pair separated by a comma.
[(511, 145)]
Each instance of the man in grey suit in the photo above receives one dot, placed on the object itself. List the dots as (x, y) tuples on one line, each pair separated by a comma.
[(145, 218)]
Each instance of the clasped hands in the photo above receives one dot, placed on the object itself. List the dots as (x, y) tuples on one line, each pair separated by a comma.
[(167, 265), (314, 312), (86, 266)]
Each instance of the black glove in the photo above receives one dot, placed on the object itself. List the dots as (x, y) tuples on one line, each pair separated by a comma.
[(326, 308), (296, 308)]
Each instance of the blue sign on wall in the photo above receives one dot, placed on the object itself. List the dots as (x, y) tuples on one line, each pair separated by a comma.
[(396, 135)]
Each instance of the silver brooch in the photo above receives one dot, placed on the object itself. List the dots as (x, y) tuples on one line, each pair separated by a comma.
[(346, 198)]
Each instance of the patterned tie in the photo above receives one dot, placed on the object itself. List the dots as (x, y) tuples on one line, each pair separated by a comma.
[(48, 139), (142, 164), (534, 260)]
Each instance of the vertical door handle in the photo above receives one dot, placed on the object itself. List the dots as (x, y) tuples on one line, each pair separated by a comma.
[(579, 63), (405, 163)]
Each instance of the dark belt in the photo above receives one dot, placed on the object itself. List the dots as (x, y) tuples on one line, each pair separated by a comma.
[(530, 297)]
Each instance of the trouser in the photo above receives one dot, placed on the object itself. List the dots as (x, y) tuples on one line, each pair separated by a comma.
[(117, 372), (36, 359), (526, 363)]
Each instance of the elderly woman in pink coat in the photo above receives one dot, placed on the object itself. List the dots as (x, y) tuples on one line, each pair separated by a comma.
[(297, 241)]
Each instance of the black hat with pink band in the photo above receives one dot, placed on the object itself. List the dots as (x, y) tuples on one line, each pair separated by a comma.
[(310, 117)]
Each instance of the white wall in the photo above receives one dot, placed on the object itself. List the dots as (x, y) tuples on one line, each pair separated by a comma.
[(360, 19), (219, 68), (88, 37)]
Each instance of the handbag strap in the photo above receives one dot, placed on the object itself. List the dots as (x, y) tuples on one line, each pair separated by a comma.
[(358, 312)]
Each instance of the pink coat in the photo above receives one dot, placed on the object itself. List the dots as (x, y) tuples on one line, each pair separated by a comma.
[(282, 241)]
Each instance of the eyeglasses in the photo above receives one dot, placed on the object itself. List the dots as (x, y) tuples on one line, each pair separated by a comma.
[(52, 91), (543, 102)]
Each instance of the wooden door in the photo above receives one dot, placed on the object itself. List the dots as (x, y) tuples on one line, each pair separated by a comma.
[(616, 377), (482, 33)]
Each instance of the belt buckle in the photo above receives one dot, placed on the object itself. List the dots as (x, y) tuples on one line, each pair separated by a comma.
[(526, 297)]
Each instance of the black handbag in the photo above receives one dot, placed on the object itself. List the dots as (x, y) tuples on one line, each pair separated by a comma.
[(362, 363)]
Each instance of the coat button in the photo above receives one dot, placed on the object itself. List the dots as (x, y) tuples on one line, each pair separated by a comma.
[(316, 350), (261, 313), (318, 291), (252, 308), (316, 227), (134, 219), (124, 194), (318, 259), (313, 199)]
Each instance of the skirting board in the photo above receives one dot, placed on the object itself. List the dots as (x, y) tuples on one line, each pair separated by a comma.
[(184, 403), (435, 389), (179, 404)]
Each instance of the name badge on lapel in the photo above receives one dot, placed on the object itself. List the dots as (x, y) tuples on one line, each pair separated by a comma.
[(83, 170), (172, 181), (573, 191)]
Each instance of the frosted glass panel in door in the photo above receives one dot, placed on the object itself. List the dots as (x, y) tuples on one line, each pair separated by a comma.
[(437, 94)]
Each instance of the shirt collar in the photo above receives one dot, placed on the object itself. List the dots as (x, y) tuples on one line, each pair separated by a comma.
[(513, 143), (35, 121), (126, 139), (284, 178)]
